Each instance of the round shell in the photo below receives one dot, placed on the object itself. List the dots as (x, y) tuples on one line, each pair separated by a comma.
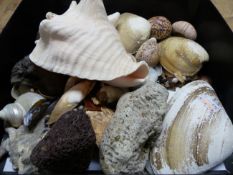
[(83, 43), (196, 135), (161, 27), (182, 57), (149, 52), (184, 29), (133, 30)]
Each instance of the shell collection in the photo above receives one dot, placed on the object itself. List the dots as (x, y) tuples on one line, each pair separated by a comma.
[(116, 89)]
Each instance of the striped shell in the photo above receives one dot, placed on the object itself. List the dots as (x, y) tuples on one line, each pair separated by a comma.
[(185, 29), (83, 43), (196, 135)]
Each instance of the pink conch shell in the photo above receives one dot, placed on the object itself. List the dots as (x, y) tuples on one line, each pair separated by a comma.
[(83, 43)]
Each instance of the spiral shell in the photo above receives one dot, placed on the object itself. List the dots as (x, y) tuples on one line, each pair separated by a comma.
[(14, 112), (196, 135)]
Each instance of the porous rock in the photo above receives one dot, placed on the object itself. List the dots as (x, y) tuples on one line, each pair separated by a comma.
[(68, 146), (138, 116)]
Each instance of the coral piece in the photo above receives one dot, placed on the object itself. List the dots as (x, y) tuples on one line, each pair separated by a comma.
[(138, 117)]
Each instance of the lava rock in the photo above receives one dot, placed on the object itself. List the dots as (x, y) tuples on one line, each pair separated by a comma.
[(138, 117), (68, 146)]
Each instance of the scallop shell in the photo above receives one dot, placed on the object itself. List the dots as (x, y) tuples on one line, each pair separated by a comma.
[(185, 29), (14, 112), (83, 43), (100, 121), (182, 57), (196, 135)]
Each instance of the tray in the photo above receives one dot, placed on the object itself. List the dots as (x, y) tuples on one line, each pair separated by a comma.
[(17, 40)]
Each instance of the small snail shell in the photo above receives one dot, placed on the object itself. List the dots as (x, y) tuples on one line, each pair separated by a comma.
[(149, 52), (182, 57), (185, 29), (161, 27), (14, 112), (133, 31)]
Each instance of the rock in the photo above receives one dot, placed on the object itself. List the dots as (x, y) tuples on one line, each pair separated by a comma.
[(138, 116), (68, 146), (20, 145)]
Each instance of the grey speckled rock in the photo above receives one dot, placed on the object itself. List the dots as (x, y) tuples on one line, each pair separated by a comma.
[(20, 144), (138, 116)]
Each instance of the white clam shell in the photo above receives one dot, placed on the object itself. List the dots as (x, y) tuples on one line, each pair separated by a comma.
[(14, 112), (133, 30), (83, 43), (113, 18), (196, 135)]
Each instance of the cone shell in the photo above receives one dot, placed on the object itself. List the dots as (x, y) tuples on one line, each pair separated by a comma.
[(83, 43), (182, 57), (196, 135)]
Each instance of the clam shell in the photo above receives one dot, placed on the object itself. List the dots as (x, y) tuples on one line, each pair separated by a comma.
[(83, 43), (185, 29), (182, 57), (133, 30), (197, 132)]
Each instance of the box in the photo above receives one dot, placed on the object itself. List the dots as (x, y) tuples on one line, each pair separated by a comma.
[(17, 39)]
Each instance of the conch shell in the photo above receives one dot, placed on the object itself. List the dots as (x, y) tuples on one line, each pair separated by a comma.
[(182, 57), (83, 43), (70, 99), (14, 112), (196, 135)]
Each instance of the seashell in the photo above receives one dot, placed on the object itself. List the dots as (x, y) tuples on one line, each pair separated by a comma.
[(71, 82), (196, 135), (71, 99), (20, 144), (161, 27), (133, 31), (100, 121), (83, 43), (154, 73), (184, 29), (14, 112), (149, 52), (182, 57), (110, 94), (18, 90), (138, 117), (35, 113), (113, 18)]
